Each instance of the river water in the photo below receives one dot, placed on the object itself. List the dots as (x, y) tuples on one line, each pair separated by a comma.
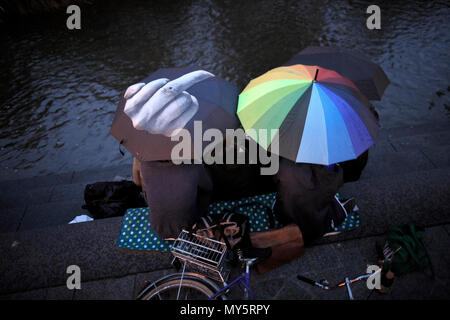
[(59, 88)]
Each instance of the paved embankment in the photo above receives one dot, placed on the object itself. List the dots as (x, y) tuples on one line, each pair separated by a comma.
[(406, 181)]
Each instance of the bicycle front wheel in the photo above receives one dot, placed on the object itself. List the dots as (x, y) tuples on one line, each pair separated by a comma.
[(178, 287)]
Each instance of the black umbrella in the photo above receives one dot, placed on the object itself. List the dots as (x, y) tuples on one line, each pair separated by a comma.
[(367, 76), (217, 101)]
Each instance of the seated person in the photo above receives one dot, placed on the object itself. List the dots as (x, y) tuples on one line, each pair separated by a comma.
[(204, 183), (306, 196), (176, 194), (237, 180), (353, 169), (179, 194)]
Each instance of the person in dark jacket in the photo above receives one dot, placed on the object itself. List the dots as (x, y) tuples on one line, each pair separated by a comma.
[(177, 195), (306, 196), (234, 181), (306, 193), (352, 169)]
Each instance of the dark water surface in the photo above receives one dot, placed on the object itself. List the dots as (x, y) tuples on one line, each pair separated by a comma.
[(59, 89)]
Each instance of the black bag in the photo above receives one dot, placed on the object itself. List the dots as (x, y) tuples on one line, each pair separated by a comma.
[(112, 199), (231, 228)]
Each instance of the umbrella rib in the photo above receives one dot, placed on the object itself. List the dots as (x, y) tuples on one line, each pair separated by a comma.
[(295, 96), (264, 96), (324, 96), (309, 131), (362, 124), (363, 111), (286, 129)]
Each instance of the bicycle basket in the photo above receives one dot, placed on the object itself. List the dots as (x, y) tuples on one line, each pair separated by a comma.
[(202, 254)]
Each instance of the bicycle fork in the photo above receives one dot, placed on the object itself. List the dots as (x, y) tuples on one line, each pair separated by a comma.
[(243, 281), (246, 282), (181, 280)]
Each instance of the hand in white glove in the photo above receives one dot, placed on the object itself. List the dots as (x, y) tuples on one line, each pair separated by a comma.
[(163, 106)]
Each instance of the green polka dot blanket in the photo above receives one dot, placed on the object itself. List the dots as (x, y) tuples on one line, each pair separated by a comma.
[(137, 234), (253, 207)]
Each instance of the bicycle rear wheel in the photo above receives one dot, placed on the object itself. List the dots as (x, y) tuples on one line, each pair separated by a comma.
[(192, 287)]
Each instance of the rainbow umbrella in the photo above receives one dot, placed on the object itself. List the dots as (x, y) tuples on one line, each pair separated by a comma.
[(321, 117)]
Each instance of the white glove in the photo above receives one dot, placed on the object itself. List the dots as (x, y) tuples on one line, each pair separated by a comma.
[(163, 106)]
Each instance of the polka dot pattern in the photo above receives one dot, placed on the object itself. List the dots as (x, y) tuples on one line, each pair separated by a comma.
[(352, 221), (136, 232), (256, 210)]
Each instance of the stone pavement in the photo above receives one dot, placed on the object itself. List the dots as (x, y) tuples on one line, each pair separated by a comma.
[(406, 181)]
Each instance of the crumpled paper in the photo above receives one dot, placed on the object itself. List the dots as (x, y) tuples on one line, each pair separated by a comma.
[(82, 218)]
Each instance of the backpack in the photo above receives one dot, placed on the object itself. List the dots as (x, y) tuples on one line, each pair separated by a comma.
[(112, 199), (229, 227), (410, 252)]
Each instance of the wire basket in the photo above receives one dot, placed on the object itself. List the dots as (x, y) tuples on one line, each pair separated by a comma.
[(202, 254)]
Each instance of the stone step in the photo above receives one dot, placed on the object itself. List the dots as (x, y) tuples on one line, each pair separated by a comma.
[(75, 177), (382, 161), (59, 204), (402, 138), (53, 188), (417, 197), (39, 258), (413, 130), (392, 163), (38, 270), (385, 158)]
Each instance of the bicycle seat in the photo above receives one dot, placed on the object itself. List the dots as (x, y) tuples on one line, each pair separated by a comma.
[(253, 254)]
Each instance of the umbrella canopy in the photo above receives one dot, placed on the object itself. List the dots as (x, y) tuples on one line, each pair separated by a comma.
[(217, 101), (321, 116), (366, 75)]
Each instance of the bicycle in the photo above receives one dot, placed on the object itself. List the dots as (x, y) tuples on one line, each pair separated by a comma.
[(209, 259), (325, 285), (386, 253)]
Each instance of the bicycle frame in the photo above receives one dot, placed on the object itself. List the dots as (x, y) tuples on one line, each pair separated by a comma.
[(209, 254), (347, 282), (243, 279)]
